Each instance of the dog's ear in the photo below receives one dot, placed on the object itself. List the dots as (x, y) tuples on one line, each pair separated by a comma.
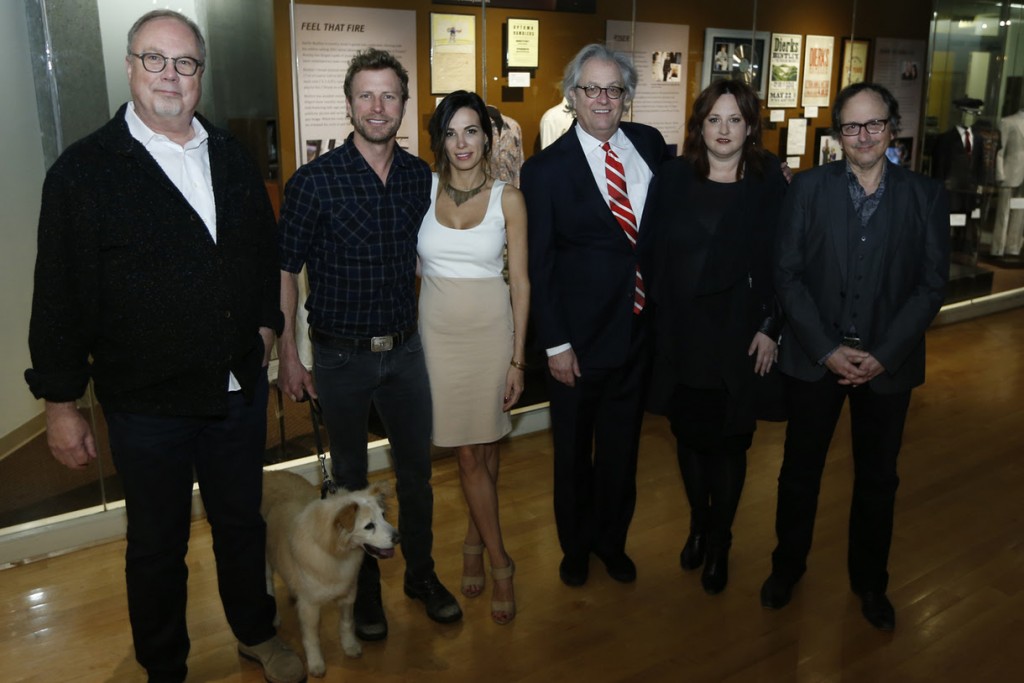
[(345, 517), (380, 490)]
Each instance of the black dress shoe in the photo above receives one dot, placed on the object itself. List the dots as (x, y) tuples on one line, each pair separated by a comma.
[(716, 571), (877, 609), (776, 592), (619, 566), (573, 570), (441, 604), (693, 552), (368, 611)]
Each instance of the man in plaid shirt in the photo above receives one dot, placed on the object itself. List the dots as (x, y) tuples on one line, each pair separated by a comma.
[(351, 217)]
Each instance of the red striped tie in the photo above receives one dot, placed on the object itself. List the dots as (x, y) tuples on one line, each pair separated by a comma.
[(623, 212)]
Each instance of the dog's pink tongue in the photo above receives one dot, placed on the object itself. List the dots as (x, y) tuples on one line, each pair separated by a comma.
[(382, 553)]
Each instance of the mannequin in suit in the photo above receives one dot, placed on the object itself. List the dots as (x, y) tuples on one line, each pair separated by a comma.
[(957, 160), (586, 266), (861, 269), (1008, 233)]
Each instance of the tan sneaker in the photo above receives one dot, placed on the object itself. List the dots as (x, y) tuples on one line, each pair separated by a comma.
[(280, 663)]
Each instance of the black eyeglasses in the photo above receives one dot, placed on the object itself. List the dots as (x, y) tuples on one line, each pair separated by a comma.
[(874, 127), (154, 63), (614, 92)]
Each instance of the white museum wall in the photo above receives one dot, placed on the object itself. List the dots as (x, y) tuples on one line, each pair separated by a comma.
[(21, 180)]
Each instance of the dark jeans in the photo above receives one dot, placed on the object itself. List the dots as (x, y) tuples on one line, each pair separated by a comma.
[(876, 422), (156, 457), (396, 383), (595, 429)]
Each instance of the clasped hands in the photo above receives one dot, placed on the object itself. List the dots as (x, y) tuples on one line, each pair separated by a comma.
[(854, 366)]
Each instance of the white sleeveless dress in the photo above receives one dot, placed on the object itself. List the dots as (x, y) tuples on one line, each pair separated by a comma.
[(465, 321)]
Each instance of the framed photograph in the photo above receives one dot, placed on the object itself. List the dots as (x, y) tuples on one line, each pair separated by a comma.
[(855, 62), (899, 152), (826, 148), (452, 53), (522, 43), (735, 55)]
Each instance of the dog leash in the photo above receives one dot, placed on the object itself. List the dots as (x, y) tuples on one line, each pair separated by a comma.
[(317, 418)]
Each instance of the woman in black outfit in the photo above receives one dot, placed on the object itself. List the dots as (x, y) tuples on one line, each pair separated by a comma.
[(716, 321)]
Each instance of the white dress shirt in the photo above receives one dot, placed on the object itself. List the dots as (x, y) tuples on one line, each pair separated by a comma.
[(638, 177)]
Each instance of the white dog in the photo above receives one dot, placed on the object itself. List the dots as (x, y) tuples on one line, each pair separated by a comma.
[(317, 547)]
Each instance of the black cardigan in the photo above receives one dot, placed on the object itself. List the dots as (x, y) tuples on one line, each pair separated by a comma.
[(131, 290), (733, 266)]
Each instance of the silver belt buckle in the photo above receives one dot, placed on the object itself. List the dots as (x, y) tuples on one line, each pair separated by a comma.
[(378, 344)]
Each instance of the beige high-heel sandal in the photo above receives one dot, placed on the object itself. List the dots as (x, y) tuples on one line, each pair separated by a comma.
[(503, 611), (473, 586)]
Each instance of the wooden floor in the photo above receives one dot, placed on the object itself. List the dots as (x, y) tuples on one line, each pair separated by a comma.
[(957, 570)]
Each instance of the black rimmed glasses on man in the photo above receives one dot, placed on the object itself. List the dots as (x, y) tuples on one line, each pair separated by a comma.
[(592, 92), (873, 127), (154, 62)]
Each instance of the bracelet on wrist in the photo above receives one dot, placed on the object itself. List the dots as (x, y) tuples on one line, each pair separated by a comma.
[(517, 365)]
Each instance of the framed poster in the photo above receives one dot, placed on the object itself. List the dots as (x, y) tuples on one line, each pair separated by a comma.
[(784, 76), (826, 148), (735, 55), (523, 41), (818, 71), (855, 62), (452, 53)]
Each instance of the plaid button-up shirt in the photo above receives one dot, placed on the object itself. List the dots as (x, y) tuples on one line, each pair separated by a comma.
[(357, 237)]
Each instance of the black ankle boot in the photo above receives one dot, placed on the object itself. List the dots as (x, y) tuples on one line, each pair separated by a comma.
[(693, 552), (716, 571)]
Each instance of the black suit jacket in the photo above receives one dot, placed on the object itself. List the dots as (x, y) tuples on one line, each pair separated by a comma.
[(811, 271), (712, 292), (582, 266)]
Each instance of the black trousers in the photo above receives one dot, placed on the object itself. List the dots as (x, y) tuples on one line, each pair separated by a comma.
[(712, 462), (876, 422), (595, 427), (155, 457)]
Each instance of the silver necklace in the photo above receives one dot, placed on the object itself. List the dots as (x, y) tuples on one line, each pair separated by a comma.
[(460, 197)]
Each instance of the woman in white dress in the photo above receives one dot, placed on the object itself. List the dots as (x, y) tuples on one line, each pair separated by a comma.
[(473, 324)]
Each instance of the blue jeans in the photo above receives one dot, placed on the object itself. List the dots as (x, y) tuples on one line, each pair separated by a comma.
[(396, 383), (155, 457)]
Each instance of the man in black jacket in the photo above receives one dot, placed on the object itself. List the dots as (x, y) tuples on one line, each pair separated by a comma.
[(156, 277)]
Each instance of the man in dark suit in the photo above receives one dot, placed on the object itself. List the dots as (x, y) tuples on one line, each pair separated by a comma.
[(862, 264), (585, 196)]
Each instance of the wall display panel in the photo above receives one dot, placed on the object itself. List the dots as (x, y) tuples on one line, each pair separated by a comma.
[(898, 65), (784, 75), (659, 55), (452, 53), (818, 61), (855, 62), (324, 39), (589, 6), (735, 55)]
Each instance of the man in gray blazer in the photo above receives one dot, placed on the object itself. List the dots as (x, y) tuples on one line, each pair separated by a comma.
[(862, 265)]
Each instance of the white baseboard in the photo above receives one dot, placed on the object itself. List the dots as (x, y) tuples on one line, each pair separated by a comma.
[(57, 535)]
